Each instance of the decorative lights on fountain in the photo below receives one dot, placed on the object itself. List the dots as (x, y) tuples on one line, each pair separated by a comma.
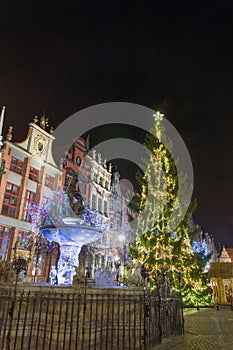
[(56, 221)]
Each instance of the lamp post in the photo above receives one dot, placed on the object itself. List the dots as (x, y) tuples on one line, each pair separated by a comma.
[(19, 264)]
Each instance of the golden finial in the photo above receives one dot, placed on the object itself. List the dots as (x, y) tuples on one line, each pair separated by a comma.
[(110, 168), (35, 120), (51, 131), (44, 122), (9, 134)]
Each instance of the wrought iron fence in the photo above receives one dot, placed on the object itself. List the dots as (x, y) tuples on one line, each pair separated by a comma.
[(86, 319)]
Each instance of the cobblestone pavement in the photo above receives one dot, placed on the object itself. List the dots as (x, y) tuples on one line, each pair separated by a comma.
[(206, 329)]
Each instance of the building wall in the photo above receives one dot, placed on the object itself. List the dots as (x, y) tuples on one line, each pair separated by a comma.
[(30, 173)]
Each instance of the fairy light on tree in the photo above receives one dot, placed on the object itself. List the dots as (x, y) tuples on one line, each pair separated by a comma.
[(158, 246)]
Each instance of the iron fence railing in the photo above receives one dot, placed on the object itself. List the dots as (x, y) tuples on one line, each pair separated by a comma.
[(86, 319)]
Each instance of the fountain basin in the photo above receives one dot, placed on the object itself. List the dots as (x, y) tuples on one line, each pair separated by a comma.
[(73, 230)]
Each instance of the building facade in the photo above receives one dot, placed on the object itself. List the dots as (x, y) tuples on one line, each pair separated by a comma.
[(30, 173)]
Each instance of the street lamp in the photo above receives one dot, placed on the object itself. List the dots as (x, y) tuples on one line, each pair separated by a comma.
[(19, 264)]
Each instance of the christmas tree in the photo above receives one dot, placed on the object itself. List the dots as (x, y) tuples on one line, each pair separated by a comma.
[(164, 244)]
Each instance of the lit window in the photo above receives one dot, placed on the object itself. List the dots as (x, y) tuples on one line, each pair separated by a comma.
[(5, 233), (23, 239), (100, 205), (68, 180), (94, 201), (29, 199), (105, 208), (38, 265), (16, 165), (10, 200), (49, 181), (34, 174)]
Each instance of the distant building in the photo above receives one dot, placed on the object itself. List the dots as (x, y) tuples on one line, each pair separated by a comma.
[(226, 255), (221, 275)]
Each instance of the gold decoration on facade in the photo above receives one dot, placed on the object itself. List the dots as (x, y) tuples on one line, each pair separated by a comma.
[(51, 131), (9, 134), (40, 143), (44, 122), (35, 120)]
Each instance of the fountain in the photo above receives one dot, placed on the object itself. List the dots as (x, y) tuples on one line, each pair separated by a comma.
[(71, 235)]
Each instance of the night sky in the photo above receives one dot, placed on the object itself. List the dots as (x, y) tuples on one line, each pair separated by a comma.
[(175, 56)]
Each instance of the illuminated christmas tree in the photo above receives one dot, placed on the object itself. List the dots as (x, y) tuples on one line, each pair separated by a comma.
[(164, 244)]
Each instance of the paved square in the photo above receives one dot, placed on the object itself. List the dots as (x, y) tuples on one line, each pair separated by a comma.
[(207, 329)]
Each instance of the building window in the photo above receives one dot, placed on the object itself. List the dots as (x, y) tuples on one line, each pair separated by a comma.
[(111, 223), (34, 174), (30, 199), (38, 265), (82, 187), (93, 201), (118, 224), (10, 200), (69, 178), (105, 208), (71, 151), (23, 239), (101, 181), (106, 185), (100, 205), (78, 161), (49, 181), (5, 233), (16, 165), (95, 177)]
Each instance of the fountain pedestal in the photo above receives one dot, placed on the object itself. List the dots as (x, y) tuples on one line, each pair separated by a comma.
[(69, 253)]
